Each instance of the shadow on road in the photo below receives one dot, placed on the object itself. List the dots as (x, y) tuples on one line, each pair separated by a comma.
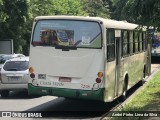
[(155, 60), (19, 95), (72, 108)]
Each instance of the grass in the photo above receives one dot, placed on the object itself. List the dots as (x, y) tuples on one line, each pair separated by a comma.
[(148, 99)]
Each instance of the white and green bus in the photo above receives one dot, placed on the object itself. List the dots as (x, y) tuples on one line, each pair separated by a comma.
[(86, 57)]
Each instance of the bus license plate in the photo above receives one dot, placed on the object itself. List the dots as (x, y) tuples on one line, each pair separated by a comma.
[(64, 79)]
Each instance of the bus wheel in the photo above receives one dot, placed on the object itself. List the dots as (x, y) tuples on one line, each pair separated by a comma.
[(4, 93), (144, 72), (124, 94), (141, 82)]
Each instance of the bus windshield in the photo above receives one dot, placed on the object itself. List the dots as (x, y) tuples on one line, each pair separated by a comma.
[(79, 34)]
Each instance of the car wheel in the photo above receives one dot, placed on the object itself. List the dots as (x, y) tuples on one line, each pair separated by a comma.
[(4, 93)]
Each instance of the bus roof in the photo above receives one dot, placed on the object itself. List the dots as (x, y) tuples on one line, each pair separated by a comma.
[(108, 23)]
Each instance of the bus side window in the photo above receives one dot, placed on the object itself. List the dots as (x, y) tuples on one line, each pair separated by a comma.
[(136, 41), (125, 43), (140, 42), (144, 44), (110, 44), (131, 42)]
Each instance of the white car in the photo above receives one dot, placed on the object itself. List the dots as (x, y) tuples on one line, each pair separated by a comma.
[(14, 75), (4, 57)]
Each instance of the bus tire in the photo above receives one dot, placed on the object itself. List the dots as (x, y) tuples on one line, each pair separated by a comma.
[(124, 93), (141, 82), (4, 93)]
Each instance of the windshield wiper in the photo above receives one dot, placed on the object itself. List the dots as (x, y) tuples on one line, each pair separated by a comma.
[(65, 48)]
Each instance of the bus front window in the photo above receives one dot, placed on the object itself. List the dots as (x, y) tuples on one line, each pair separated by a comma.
[(80, 34)]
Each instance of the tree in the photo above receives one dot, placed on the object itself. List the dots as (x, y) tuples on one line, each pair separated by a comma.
[(3, 15), (13, 16), (144, 12), (16, 16), (68, 7), (96, 8)]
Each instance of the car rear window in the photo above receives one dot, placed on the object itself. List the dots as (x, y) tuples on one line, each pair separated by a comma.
[(16, 65)]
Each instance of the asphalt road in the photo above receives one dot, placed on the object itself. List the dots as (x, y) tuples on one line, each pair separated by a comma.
[(56, 107)]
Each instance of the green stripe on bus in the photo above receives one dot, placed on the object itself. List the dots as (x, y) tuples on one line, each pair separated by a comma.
[(68, 93)]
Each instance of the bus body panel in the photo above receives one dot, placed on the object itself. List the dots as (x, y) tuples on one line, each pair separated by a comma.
[(82, 68), (133, 66), (68, 93), (109, 81)]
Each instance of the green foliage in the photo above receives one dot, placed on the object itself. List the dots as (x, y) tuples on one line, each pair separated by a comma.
[(144, 12), (146, 100), (117, 6), (68, 7), (3, 16), (16, 16), (13, 17), (55, 7), (97, 8)]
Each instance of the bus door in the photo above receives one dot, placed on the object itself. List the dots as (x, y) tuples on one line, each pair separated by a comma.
[(118, 56)]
